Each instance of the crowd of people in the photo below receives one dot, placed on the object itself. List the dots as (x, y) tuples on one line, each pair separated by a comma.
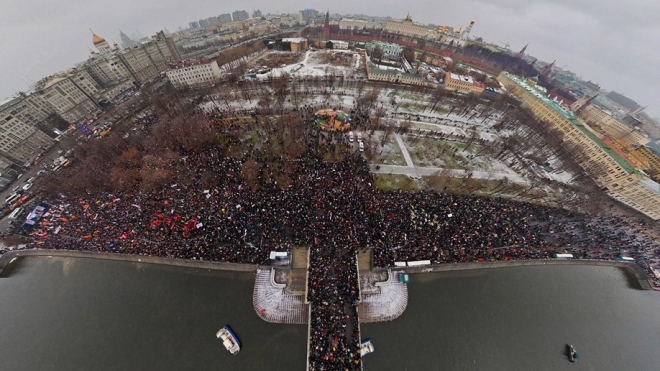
[(333, 207)]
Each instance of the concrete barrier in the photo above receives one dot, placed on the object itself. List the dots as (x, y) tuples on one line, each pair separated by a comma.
[(639, 274), (205, 264)]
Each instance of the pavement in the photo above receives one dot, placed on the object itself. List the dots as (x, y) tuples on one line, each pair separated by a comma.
[(426, 171), (406, 155)]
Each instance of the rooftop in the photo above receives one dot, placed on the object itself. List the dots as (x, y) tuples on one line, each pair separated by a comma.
[(294, 40), (611, 152), (468, 79), (540, 96), (189, 63), (653, 186)]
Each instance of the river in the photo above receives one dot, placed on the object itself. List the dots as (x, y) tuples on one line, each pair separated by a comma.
[(85, 314), (521, 319)]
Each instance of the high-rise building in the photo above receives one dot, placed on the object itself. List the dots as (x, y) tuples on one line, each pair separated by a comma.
[(193, 24), (306, 16), (203, 23), (194, 73), (212, 21), (107, 69), (240, 15), (225, 18), (73, 93), (20, 142), (256, 14), (125, 40)]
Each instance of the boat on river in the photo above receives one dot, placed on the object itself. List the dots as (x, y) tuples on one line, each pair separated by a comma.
[(366, 347), (572, 354), (229, 340)]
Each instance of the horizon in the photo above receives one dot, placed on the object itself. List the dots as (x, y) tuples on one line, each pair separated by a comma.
[(592, 43)]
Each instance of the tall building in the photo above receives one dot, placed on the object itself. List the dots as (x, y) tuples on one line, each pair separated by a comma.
[(73, 93), (194, 73), (107, 69), (203, 23), (146, 60), (464, 35), (193, 24), (256, 14), (20, 142), (622, 180), (306, 16), (239, 15), (225, 18), (125, 40), (212, 21)]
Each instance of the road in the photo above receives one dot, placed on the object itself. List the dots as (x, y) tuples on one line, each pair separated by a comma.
[(50, 155), (426, 171)]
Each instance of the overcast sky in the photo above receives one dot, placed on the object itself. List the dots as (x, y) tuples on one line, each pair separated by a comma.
[(611, 42)]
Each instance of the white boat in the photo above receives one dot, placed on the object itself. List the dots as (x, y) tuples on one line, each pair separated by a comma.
[(229, 340), (366, 347)]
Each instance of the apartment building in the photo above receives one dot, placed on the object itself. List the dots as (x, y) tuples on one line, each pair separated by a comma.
[(21, 142), (622, 181), (72, 93), (194, 73), (611, 126)]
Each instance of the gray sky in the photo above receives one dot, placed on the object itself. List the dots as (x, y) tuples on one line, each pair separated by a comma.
[(610, 42)]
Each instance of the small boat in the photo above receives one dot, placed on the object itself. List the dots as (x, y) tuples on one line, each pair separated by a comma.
[(229, 340), (366, 347), (572, 354)]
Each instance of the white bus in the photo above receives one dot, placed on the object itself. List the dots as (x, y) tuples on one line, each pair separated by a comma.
[(11, 199), (14, 214), (563, 256)]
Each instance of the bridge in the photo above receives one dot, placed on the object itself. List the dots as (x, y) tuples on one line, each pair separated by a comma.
[(282, 295)]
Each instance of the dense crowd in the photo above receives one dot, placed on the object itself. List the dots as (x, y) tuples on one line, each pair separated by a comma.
[(331, 206)]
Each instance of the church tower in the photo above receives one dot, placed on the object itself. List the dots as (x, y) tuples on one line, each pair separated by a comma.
[(465, 33), (547, 69), (99, 43), (326, 25), (584, 101), (522, 51)]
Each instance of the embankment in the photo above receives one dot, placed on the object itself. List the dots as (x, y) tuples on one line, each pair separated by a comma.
[(205, 264), (636, 271)]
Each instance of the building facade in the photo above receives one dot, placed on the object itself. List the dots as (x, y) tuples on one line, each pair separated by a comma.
[(407, 27), (239, 15), (73, 94), (611, 126), (464, 84), (225, 18), (390, 51), (622, 181), (20, 142), (194, 73)]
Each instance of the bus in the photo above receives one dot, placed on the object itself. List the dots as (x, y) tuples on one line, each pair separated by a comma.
[(14, 214), (10, 200), (626, 259), (563, 256)]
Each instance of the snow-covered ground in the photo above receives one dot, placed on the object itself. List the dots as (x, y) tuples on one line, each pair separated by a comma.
[(312, 67)]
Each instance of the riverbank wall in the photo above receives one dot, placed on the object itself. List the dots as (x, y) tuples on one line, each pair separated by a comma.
[(636, 271), (7, 258)]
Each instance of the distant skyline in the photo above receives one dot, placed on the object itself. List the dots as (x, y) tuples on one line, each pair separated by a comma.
[(607, 42)]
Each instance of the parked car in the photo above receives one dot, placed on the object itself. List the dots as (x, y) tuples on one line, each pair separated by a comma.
[(27, 186)]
